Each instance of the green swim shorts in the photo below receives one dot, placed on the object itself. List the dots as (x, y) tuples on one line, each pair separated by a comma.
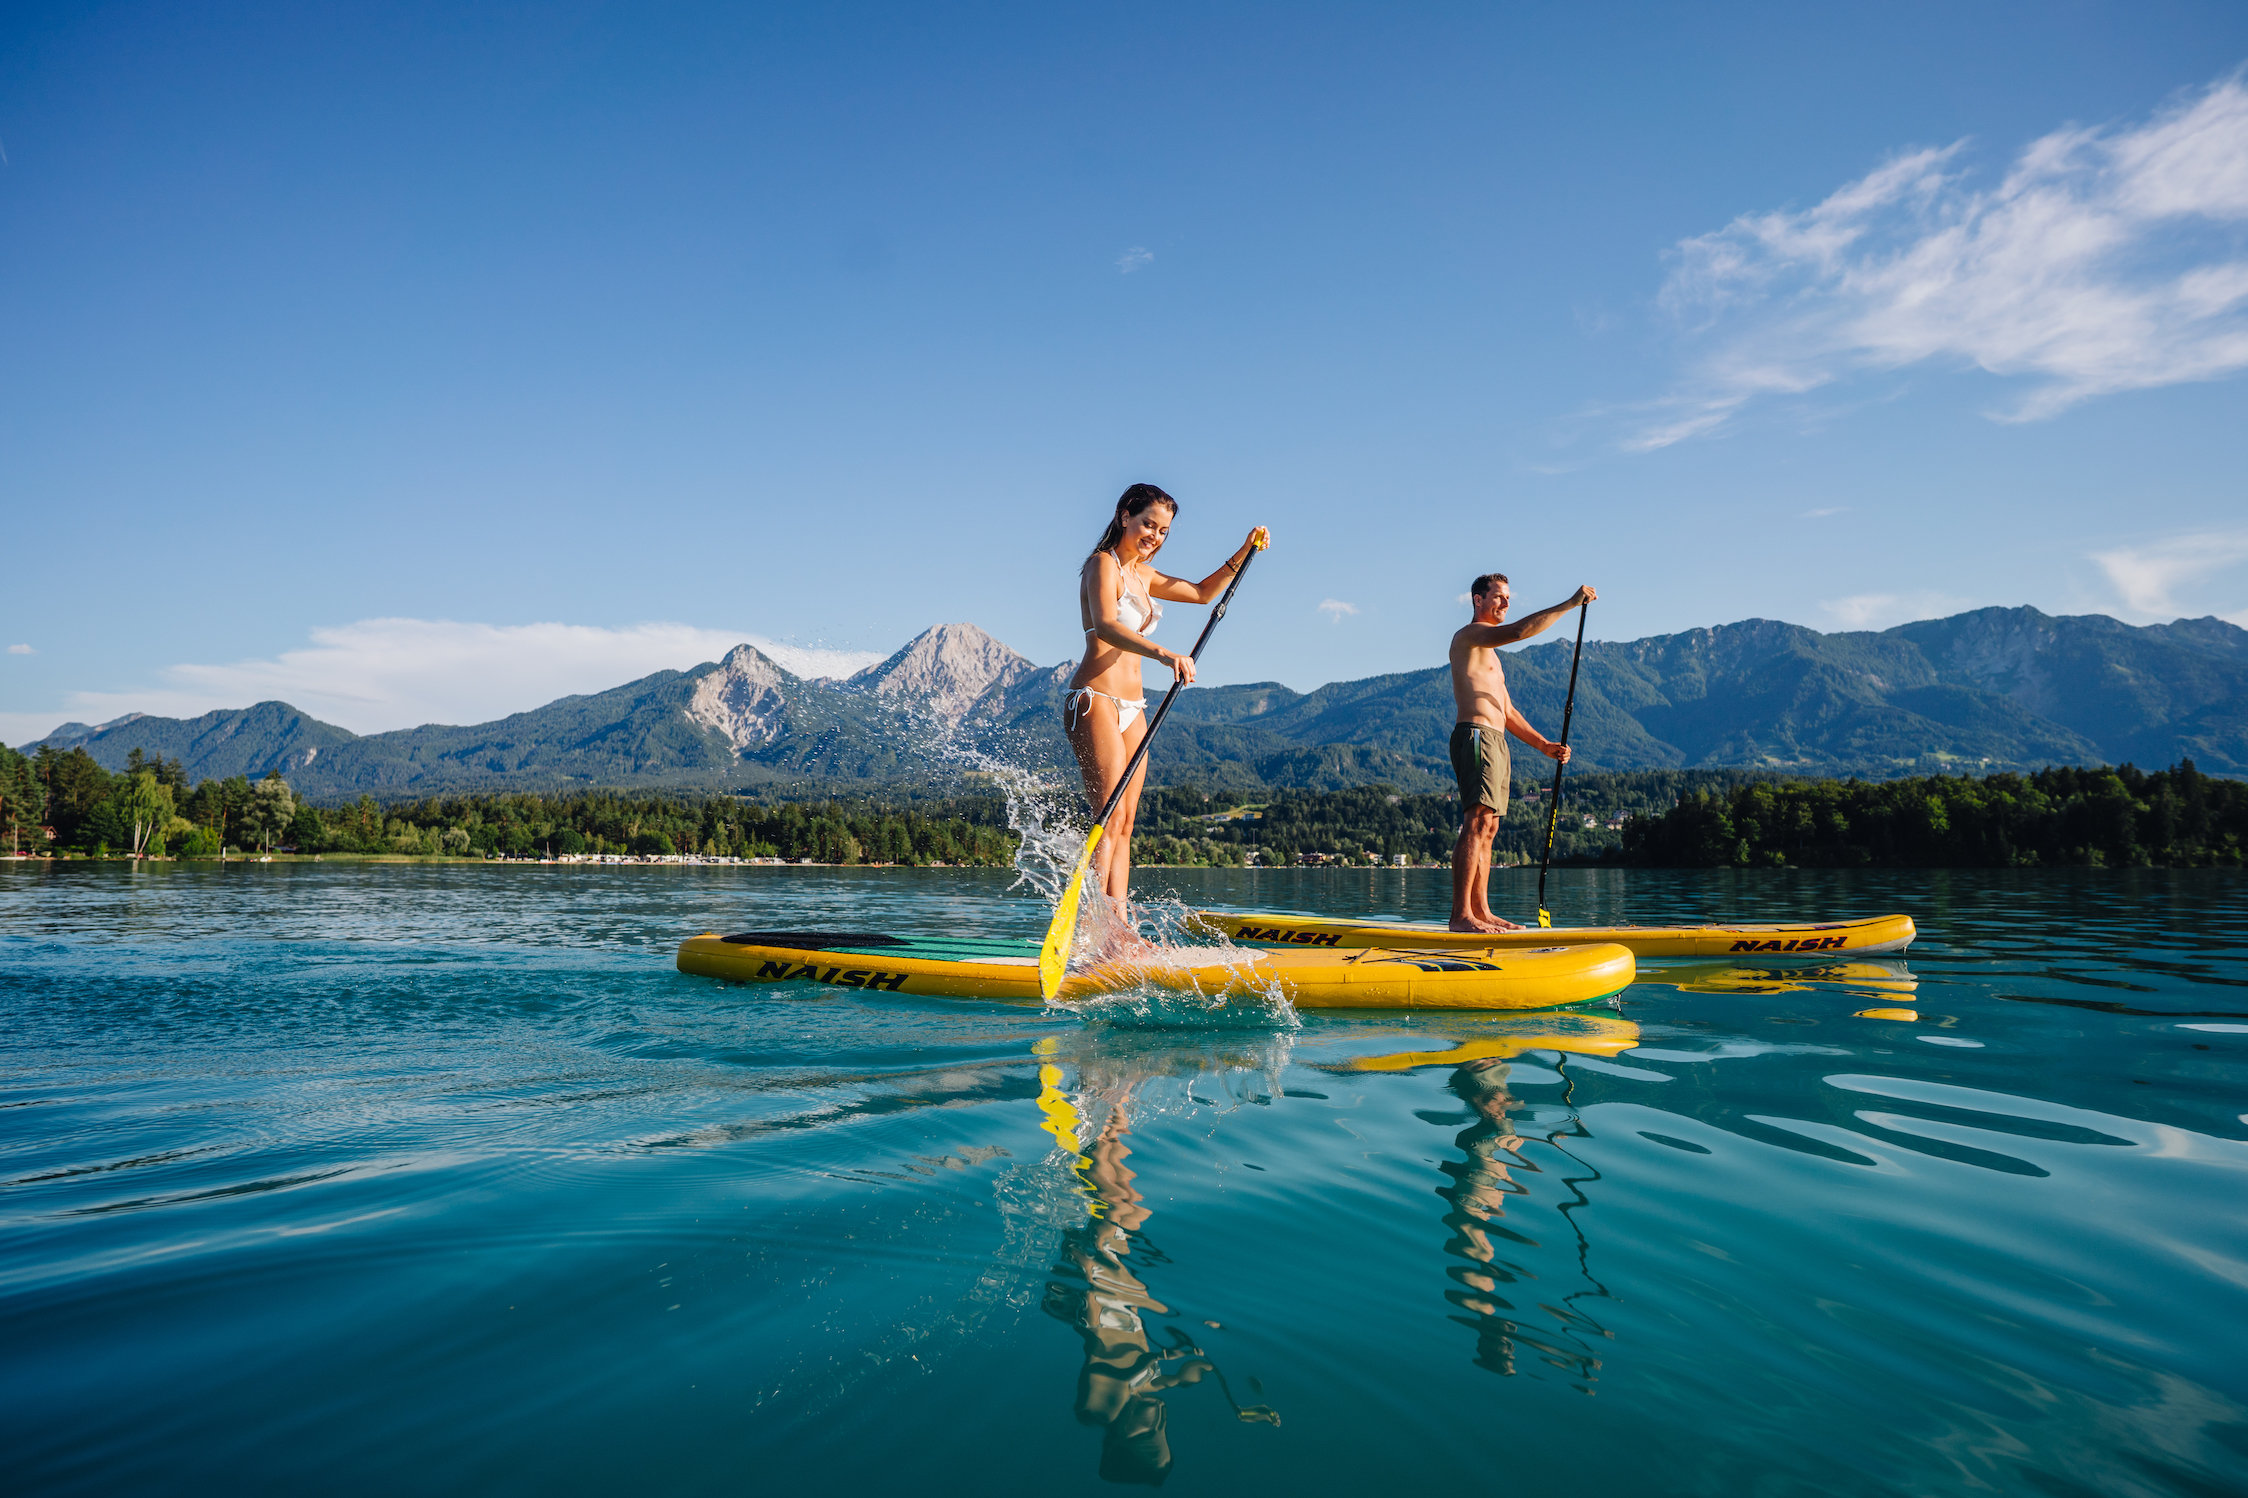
[(1481, 763)]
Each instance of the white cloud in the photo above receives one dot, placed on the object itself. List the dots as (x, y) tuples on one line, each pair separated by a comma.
[(21, 650), (1880, 610), (1859, 610), (1336, 609), (2108, 259), (1824, 513), (380, 674), (1133, 258), (2147, 577)]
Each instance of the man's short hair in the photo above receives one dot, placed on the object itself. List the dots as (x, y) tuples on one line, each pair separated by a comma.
[(1483, 583)]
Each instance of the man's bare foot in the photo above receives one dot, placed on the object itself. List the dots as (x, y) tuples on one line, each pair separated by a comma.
[(1478, 926)]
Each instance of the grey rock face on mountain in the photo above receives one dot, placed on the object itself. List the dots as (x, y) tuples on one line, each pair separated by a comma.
[(953, 672), (741, 700), (1992, 689)]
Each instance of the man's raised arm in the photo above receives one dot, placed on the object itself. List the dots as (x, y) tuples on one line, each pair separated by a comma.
[(1493, 635)]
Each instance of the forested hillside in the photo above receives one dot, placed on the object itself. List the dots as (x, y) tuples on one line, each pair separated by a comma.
[(1996, 689)]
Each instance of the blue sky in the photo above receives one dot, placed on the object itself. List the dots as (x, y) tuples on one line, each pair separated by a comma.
[(414, 363)]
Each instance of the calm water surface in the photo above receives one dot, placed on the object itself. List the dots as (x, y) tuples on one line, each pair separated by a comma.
[(375, 1179)]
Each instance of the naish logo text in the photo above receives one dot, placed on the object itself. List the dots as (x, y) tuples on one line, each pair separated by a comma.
[(1281, 933), (841, 977), (1801, 944)]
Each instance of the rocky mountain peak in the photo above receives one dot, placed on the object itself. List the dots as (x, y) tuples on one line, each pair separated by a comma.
[(742, 699), (945, 670)]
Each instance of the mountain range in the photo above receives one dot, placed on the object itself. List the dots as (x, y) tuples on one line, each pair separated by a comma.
[(1992, 689)]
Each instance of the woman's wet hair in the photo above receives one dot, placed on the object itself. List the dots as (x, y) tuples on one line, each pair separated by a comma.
[(1483, 583), (1136, 499)]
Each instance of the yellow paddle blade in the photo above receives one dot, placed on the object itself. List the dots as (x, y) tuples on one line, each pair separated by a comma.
[(1545, 916), (1053, 954)]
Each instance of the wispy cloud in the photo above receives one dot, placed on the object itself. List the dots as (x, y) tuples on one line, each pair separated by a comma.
[(397, 673), (1880, 610), (1133, 258), (21, 650), (1823, 513), (2107, 259), (2147, 578), (1336, 609)]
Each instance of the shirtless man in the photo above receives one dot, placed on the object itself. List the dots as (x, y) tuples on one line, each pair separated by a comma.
[(1479, 753)]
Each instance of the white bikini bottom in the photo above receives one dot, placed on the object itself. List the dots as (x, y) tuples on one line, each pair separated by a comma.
[(1127, 708)]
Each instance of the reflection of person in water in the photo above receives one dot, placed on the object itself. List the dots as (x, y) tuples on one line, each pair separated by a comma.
[(1479, 1187), (1125, 1372)]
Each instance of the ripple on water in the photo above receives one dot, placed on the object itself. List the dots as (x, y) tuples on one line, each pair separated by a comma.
[(393, 1178)]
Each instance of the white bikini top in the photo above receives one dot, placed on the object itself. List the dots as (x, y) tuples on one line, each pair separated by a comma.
[(1140, 613)]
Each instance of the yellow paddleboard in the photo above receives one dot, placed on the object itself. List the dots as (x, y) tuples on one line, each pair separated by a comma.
[(1758, 944), (1359, 978)]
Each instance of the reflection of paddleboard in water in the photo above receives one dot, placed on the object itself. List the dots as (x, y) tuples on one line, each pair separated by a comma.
[(1360, 978), (1577, 1034), (1755, 943), (1870, 979)]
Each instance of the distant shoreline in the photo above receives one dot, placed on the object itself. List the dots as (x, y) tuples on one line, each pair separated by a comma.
[(681, 860), (652, 860)]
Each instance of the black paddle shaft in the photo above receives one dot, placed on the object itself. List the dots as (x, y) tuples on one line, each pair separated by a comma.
[(1568, 708), (1116, 797)]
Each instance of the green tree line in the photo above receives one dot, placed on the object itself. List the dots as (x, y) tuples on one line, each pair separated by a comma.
[(1691, 818), (1186, 825), (150, 809), (2096, 818)]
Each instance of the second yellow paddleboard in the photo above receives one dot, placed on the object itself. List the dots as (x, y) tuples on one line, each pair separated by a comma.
[(1812, 942)]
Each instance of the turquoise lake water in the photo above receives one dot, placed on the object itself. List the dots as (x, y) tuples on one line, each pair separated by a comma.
[(380, 1179)]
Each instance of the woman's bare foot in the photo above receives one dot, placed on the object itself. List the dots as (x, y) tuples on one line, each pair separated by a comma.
[(1479, 926), (1129, 946)]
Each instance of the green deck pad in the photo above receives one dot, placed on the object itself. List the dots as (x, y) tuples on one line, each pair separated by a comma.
[(923, 948), (873, 944), (947, 949)]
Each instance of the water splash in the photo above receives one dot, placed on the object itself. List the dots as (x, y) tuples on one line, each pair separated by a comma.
[(1042, 811)]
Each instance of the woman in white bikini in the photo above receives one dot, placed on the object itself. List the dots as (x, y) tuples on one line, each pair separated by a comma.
[(1105, 711)]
